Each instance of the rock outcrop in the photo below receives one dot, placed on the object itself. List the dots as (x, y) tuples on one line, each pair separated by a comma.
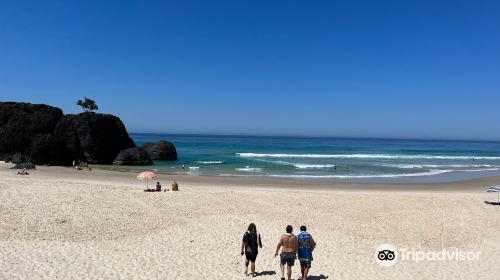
[(24, 165), (101, 137), (133, 156), (161, 150), (26, 133), (19, 158), (41, 134)]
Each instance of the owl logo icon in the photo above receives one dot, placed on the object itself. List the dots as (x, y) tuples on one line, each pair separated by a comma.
[(386, 255)]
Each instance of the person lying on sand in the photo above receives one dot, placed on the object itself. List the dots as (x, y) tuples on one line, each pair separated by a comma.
[(23, 172)]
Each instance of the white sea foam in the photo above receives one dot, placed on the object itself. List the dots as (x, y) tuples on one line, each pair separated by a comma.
[(313, 166), (279, 162), (429, 173), (412, 166), (432, 172), (194, 168), (403, 166), (298, 165), (211, 162), (366, 156), (473, 170), (361, 176), (249, 169)]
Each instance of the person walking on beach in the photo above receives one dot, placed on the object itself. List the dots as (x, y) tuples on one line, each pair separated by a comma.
[(250, 247), (306, 247), (288, 244)]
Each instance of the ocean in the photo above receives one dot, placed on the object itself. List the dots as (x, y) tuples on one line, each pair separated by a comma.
[(337, 159)]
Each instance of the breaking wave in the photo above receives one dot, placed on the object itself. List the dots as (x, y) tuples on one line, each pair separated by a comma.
[(414, 166), (365, 156), (249, 169), (211, 162), (313, 166)]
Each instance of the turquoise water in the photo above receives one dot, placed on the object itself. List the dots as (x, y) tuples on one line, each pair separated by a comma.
[(329, 158)]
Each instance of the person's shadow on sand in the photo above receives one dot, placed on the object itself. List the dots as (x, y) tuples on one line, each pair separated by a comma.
[(311, 277), (264, 273), (491, 203), (321, 276)]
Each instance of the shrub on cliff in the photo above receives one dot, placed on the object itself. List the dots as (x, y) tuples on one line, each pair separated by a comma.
[(87, 104)]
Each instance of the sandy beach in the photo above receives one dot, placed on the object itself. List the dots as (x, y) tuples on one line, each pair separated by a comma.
[(67, 224)]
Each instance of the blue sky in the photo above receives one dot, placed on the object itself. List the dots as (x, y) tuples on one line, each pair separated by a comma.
[(410, 69)]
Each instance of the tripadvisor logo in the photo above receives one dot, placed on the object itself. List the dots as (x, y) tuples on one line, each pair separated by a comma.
[(387, 255)]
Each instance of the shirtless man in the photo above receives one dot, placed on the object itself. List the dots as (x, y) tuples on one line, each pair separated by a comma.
[(288, 244)]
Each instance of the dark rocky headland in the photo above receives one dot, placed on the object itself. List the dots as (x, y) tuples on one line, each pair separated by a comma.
[(42, 134), (161, 150)]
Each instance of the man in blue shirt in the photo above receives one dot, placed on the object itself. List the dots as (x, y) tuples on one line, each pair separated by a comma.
[(306, 246)]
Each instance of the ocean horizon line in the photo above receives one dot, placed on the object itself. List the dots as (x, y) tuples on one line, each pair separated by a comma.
[(314, 137)]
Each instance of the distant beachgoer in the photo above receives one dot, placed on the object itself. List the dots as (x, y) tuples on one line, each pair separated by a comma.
[(74, 163), (473, 159), (250, 247), (288, 244), (23, 172), (175, 186), (335, 167), (183, 167), (158, 187), (306, 247)]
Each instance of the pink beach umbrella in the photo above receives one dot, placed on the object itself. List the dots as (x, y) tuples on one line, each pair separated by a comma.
[(147, 175)]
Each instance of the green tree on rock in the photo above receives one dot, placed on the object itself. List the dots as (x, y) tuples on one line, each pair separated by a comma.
[(87, 104)]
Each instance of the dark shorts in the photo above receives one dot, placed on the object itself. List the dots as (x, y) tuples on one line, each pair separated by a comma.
[(250, 257), (305, 263), (287, 258)]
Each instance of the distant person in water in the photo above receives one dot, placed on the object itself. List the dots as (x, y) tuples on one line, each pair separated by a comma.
[(183, 167), (158, 187), (288, 244), (306, 247), (250, 247)]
